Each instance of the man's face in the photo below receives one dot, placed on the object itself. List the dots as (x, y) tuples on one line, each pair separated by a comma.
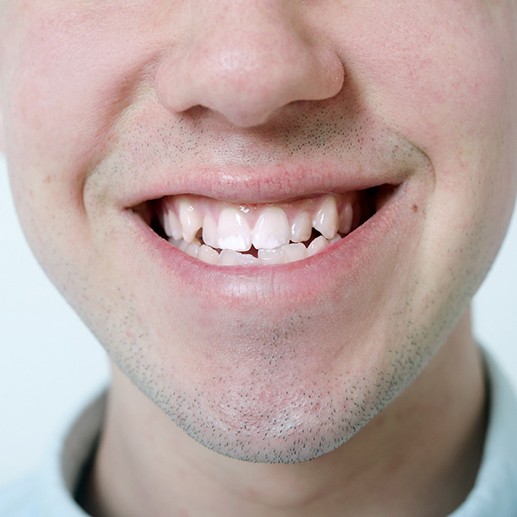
[(115, 113)]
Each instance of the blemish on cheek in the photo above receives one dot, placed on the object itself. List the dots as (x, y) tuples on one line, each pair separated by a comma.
[(414, 207)]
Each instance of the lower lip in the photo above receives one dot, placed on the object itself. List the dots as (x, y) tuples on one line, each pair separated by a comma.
[(347, 262)]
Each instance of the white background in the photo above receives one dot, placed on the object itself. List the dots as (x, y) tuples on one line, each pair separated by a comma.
[(49, 361)]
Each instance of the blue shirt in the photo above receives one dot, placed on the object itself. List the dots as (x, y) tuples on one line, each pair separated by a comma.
[(49, 492)]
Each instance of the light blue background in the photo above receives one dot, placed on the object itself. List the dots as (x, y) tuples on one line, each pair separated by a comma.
[(49, 361)]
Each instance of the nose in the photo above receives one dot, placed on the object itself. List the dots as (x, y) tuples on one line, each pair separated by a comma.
[(245, 60)]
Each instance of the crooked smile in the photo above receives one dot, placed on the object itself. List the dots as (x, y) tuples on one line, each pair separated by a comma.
[(227, 234)]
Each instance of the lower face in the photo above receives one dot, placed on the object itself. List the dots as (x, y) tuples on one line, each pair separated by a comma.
[(355, 243)]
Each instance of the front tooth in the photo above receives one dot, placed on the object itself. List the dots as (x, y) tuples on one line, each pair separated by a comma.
[(208, 255), (247, 260), (234, 258), (301, 227), (193, 249), (233, 232), (271, 229), (275, 256), (326, 220), (210, 231), (190, 219), (228, 258), (317, 245), (294, 252)]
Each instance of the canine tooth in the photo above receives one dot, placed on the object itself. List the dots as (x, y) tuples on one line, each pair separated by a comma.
[(346, 218), (294, 252), (233, 232), (210, 231), (326, 220), (317, 245), (301, 227), (271, 256), (271, 229), (208, 255), (190, 219), (165, 222), (171, 224)]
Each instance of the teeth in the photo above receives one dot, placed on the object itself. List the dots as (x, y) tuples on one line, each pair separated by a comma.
[(271, 230), (171, 224), (278, 233), (317, 245), (228, 258), (193, 249), (233, 231), (301, 227), (234, 258), (190, 219), (210, 235), (326, 220), (346, 219), (208, 255), (294, 252)]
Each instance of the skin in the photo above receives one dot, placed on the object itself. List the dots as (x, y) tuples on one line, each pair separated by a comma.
[(379, 381)]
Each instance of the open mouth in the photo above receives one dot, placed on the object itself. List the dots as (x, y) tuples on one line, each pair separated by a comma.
[(228, 234)]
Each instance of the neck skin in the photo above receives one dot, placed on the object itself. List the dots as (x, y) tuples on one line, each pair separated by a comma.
[(419, 457)]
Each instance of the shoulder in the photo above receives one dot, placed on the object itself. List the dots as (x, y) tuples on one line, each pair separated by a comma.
[(50, 490), (495, 489)]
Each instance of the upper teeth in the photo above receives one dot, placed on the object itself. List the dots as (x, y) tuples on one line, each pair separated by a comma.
[(269, 228)]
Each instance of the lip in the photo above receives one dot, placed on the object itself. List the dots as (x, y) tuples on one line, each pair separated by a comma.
[(258, 185), (353, 261)]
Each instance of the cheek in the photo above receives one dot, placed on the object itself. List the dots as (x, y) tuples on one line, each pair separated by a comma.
[(69, 76), (73, 73), (446, 80), (442, 77)]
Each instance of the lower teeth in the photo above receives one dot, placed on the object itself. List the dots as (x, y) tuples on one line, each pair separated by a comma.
[(286, 254)]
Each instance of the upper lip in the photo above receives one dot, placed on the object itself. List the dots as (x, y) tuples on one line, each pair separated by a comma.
[(146, 164), (255, 185)]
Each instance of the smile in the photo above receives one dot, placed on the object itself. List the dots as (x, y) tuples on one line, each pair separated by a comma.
[(227, 234)]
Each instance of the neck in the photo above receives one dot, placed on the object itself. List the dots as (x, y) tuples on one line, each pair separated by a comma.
[(430, 439)]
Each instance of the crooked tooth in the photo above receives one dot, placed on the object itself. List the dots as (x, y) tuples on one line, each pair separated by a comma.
[(182, 245), (271, 229), (233, 232), (301, 227), (171, 224), (346, 218), (193, 249), (246, 259), (326, 220), (165, 221), (190, 219), (210, 231), (271, 256), (294, 252), (234, 258), (208, 255), (317, 245)]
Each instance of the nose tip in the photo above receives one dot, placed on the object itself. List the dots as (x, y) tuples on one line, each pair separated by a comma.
[(246, 74)]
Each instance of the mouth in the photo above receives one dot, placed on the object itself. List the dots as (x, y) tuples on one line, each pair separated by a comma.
[(223, 233)]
